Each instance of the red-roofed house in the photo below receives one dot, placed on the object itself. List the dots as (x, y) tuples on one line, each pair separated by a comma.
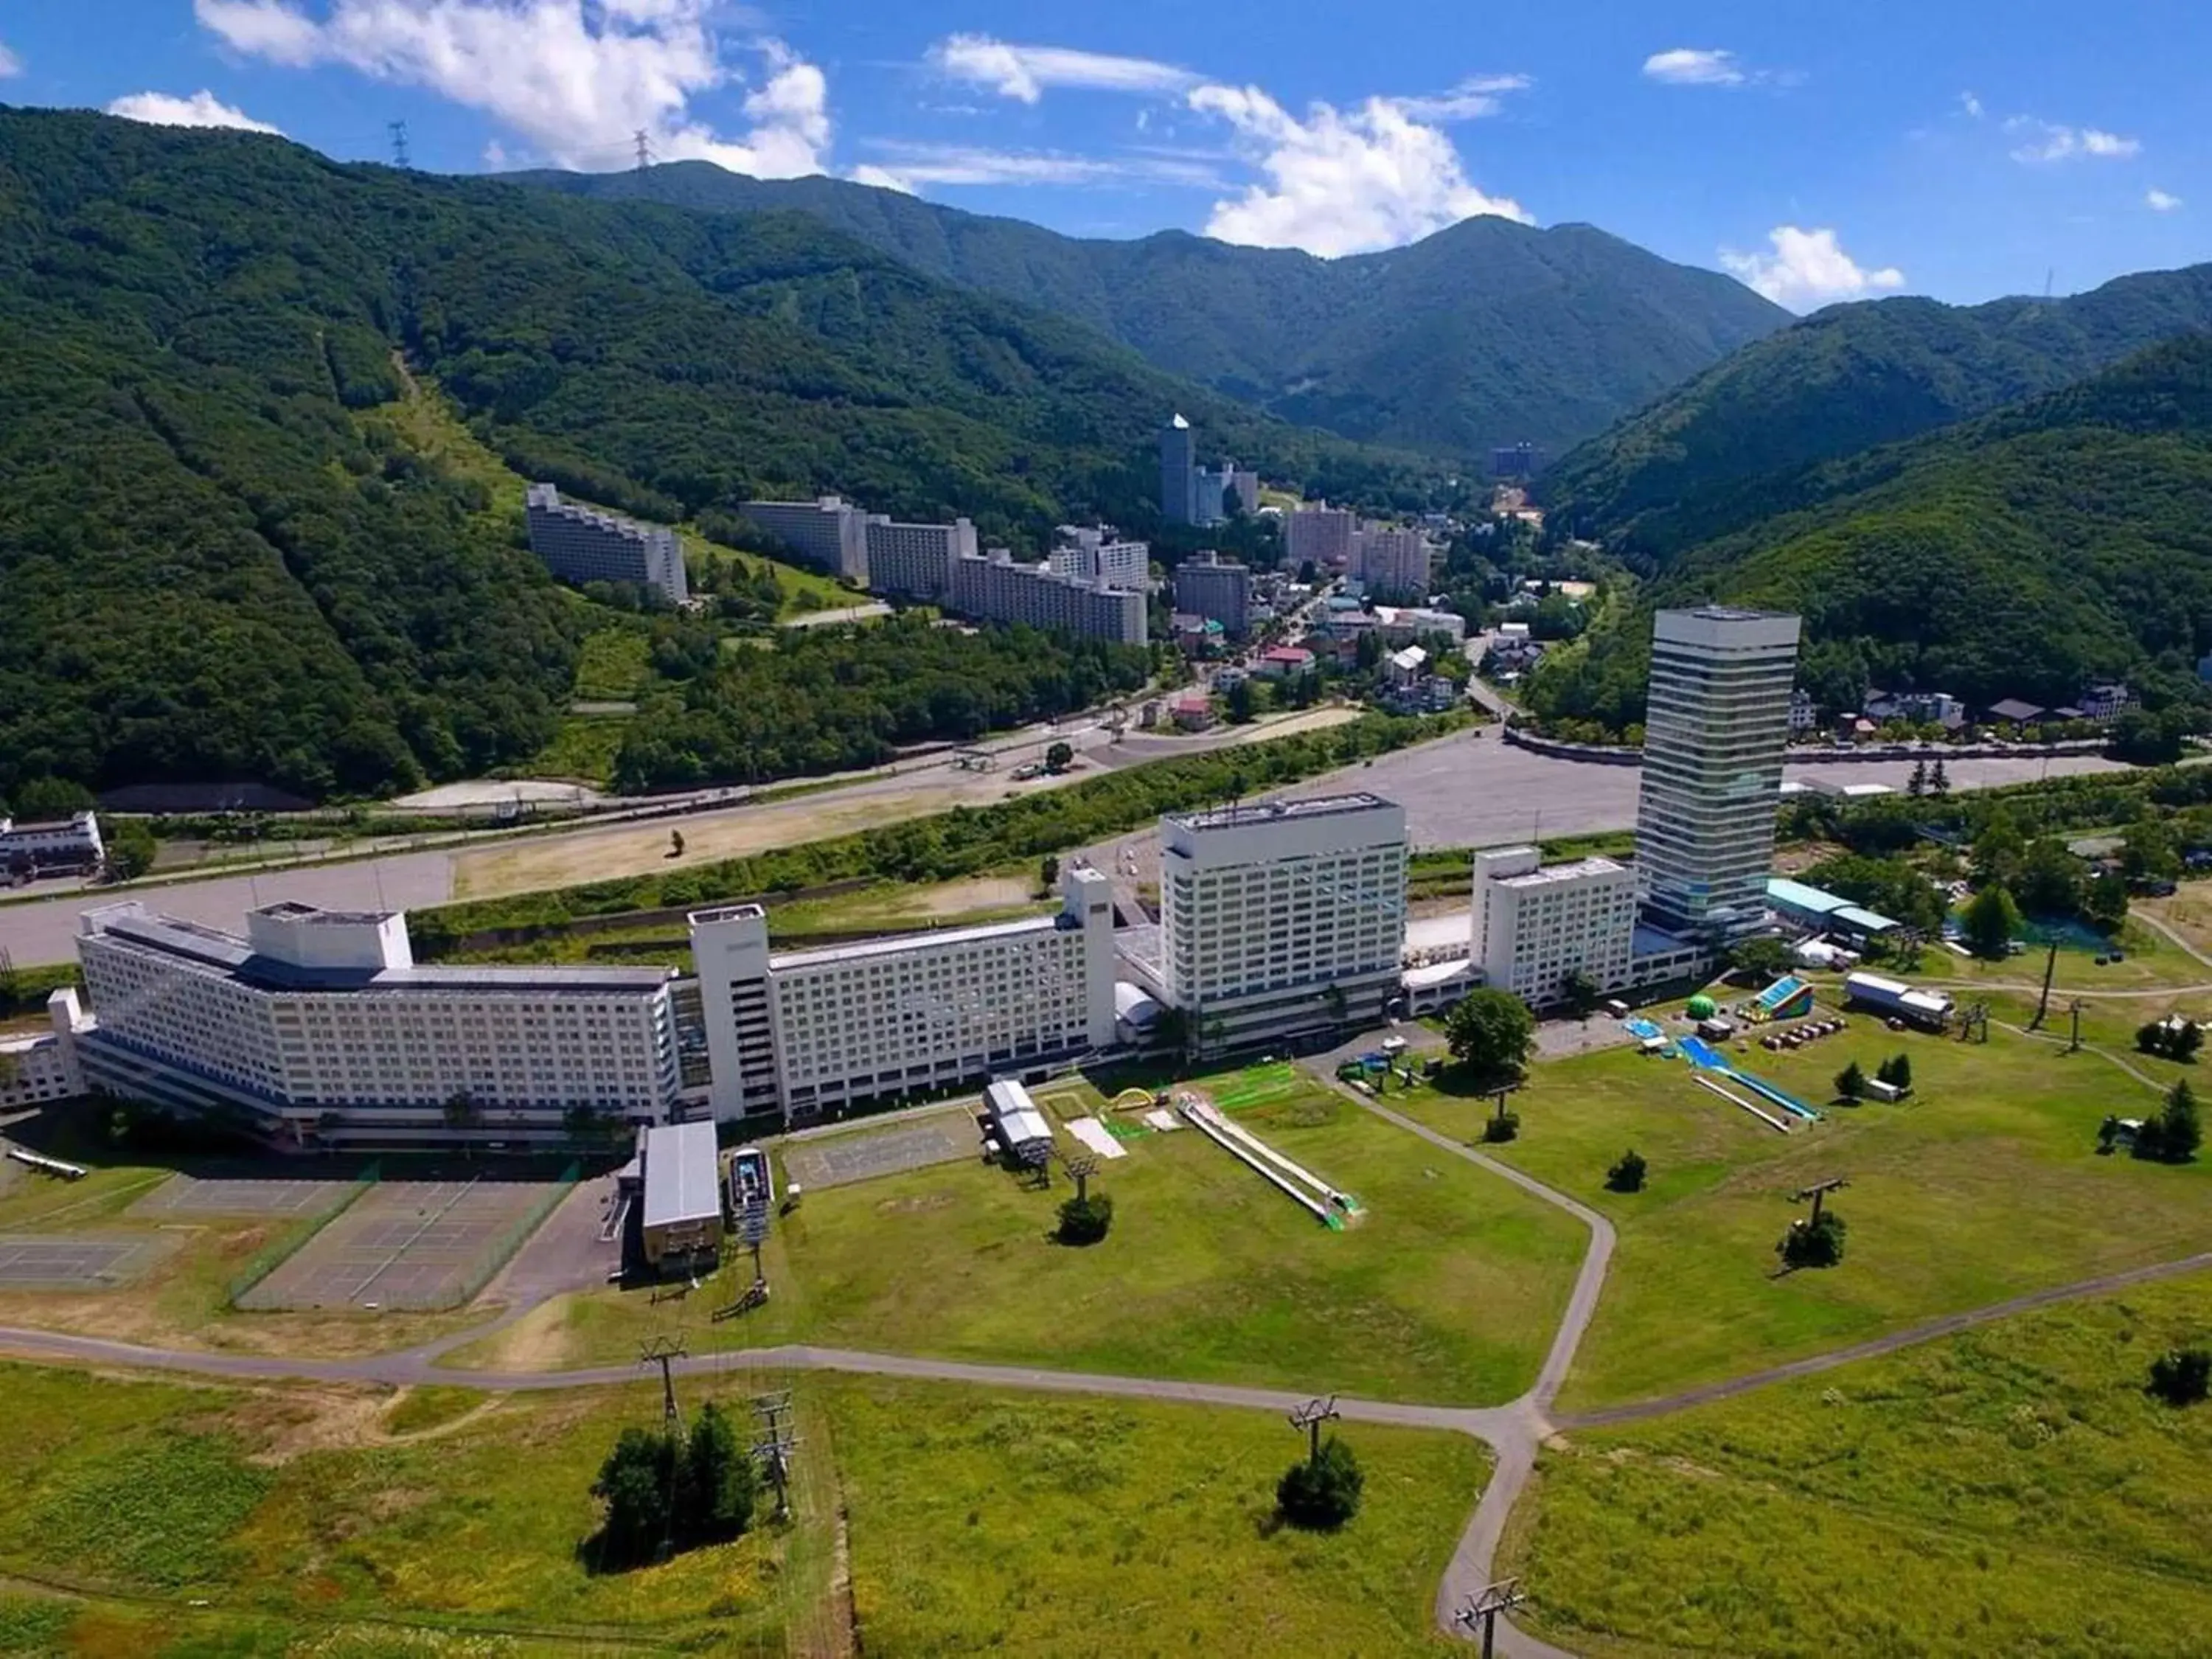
[(1282, 661)]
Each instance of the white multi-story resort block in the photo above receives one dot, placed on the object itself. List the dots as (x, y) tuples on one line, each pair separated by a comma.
[(802, 1032), (993, 587), (1535, 925), (915, 561), (1098, 555), (829, 533), (1282, 917), (582, 544), (70, 843), (318, 1023)]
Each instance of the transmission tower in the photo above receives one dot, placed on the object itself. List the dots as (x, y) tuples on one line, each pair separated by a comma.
[(1483, 1609), (664, 1351), (1816, 1192), (644, 142), (1309, 1417), (398, 132), (773, 1443)]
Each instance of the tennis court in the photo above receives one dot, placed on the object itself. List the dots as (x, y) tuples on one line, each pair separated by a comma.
[(286, 1196), (78, 1261), (838, 1160), (412, 1244)]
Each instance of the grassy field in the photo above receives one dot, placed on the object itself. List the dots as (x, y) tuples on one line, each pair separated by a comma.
[(989, 1523), (2013, 1490), (299, 1513), (1984, 1184), (1448, 1290)]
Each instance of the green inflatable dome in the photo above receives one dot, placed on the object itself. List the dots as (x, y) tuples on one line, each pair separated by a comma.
[(1702, 1008)]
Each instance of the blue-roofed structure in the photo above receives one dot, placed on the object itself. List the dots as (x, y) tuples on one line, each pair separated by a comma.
[(1816, 906)]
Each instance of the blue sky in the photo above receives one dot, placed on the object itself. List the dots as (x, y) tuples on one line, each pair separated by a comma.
[(1952, 148)]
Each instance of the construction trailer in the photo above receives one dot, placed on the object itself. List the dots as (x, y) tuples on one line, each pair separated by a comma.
[(681, 1214), (1893, 998)]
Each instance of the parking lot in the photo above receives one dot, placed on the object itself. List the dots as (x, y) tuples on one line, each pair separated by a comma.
[(413, 1244), (838, 1159), (81, 1261)]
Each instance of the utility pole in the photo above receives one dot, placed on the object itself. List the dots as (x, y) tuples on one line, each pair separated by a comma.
[(1816, 1192), (1309, 1417), (2075, 1009), (644, 142), (1483, 1609), (772, 1445), (664, 1351), (398, 132), (1080, 1169), (2042, 1003)]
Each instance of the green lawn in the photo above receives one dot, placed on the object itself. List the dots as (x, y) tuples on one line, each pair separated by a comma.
[(1448, 1290), (1986, 1184), (2011, 1491), (995, 1523)]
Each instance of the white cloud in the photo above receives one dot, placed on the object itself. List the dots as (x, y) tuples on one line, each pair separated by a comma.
[(1808, 268), (1024, 72), (908, 166), (1695, 66), (1971, 104), (881, 178), (1475, 96), (202, 109), (2159, 201), (10, 62), (2049, 141), (574, 77), (1341, 181)]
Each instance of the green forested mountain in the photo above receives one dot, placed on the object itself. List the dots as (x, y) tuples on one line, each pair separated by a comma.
[(1487, 332), (2017, 554), (1725, 448), (219, 560)]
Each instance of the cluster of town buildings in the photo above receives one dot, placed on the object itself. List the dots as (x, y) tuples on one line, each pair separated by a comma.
[(51, 847), (1279, 921), (2100, 703)]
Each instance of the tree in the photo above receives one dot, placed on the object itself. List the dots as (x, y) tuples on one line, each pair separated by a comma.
[(1320, 1493), (1049, 873), (1579, 993), (1896, 1071), (2147, 851), (1626, 1176), (2173, 1136), (1916, 785), (1490, 1032), (1939, 782), (1997, 850), (130, 851), (1759, 958), (2049, 879), (462, 1112), (718, 1486), (2182, 1376), (637, 1483), (1850, 1083), (2104, 902), (1991, 920), (2187, 1039), (586, 1125), (1085, 1219), (1814, 1244), (1241, 702), (1059, 758)]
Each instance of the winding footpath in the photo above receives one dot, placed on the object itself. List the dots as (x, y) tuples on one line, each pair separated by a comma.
[(1515, 1432)]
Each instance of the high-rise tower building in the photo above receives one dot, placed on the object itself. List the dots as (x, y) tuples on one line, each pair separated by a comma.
[(1178, 472), (1716, 723)]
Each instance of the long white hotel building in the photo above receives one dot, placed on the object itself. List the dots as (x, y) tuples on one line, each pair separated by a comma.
[(318, 1023), (581, 544), (1281, 917), (803, 1032)]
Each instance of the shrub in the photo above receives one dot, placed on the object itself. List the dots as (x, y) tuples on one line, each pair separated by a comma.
[(1896, 1071), (664, 1488), (1501, 1126), (1809, 1244), (1627, 1176), (2183, 1376), (1085, 1220), (1323, 1492), (2173, 1136)]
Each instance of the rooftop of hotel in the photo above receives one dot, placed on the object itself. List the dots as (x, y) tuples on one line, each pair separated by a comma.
[(209, 947), (1239, 815), (899, 945), (1577, 870)]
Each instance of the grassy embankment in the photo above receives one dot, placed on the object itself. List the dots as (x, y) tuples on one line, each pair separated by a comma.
[(1984, 1184), (2013, 1490)]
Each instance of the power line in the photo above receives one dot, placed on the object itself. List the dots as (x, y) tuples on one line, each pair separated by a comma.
[(398, 132)]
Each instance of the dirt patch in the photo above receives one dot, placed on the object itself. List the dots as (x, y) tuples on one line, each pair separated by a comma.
[(915, 1206), (541, 1340)]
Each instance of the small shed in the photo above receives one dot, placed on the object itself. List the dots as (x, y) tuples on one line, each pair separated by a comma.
[(681, 1217)]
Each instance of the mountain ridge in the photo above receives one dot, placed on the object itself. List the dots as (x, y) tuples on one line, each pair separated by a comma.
[(1486, 333)]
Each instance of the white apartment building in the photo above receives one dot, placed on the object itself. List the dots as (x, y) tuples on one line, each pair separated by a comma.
[(1281, 917), (1322, 533), (915, 561), (802, 1032), (1715, 724), (582, 544), (43, 1066), (318, 1023), (994, 588), (1220, 590), (1535, 925), (1393, 560), (827, 532), (1088, 555), (70, 843)]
